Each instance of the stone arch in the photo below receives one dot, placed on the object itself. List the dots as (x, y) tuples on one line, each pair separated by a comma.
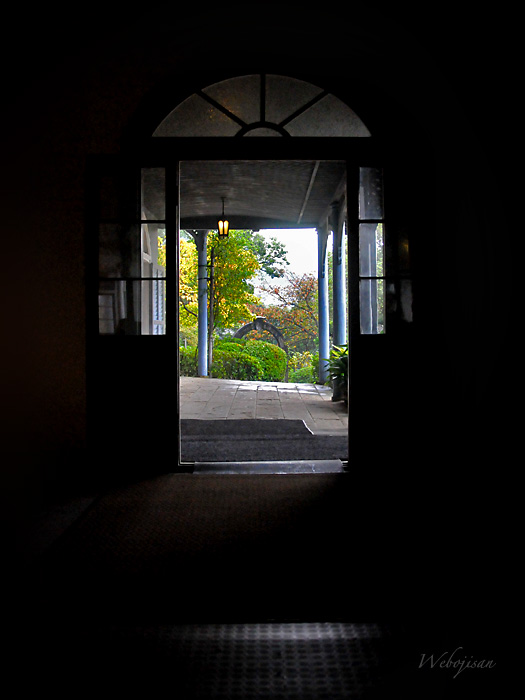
[(261, 324)]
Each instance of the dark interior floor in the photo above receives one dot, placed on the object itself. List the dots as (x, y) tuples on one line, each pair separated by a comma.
[(281, 660), (234, 586)]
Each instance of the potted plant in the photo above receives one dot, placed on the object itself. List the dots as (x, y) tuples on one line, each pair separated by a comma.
[(338, 369)]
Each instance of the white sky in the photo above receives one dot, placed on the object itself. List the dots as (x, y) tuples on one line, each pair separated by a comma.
[(301, 245)]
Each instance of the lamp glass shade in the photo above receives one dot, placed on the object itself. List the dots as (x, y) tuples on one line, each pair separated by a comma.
[(223, 228)]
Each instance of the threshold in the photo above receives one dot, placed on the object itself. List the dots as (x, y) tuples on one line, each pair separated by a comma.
[(316, 466)]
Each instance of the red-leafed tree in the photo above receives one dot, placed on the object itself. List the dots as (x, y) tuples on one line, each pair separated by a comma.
[(293, 309)]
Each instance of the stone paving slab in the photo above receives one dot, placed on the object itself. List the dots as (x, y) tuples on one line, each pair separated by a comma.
[(207, 398)]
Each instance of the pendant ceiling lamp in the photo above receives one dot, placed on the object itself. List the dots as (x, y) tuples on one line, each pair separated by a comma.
[(223, 225)]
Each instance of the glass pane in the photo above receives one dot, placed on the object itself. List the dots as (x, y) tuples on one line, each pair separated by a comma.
[(153, 194), (262, 131), (284, 96), (159, 307), (399, 302), (196, 117), (153, 248), (404, 253), (372, 306), (241, 96), (161, 250), (371, 250), (119, 307), (328, 117), (397, 253), (119, 253), (153, 301), (111, 306), (132, 307), (405, 300), (109, 197), (371, 193)]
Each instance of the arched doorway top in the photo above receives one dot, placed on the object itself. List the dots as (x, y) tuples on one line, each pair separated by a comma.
[(261, 324), (262, 105)]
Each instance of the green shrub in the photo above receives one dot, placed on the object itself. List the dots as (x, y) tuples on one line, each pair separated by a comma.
[(188, 358), (272, 357), (229, 345), (229, 364), (315, 366), (237, 358), (297, 360), (303, 375), (338, 363)]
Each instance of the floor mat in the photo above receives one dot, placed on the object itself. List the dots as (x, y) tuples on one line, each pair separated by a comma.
[(245, 427), (257, 440)]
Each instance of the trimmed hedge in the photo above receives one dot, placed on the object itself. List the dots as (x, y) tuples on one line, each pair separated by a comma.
[(273, 359), (249, 360), (229, 364), (229, 345)]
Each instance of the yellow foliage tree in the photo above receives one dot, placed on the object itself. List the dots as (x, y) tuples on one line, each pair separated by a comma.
[(234, 266)]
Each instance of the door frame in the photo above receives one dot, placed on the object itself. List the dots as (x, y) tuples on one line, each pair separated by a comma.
[(169, 153)]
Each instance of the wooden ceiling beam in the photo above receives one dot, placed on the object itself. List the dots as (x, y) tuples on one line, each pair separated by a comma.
[(309, 189)]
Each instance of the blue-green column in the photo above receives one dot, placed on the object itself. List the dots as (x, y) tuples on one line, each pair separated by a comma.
[(201, 239), (338, 279), (323, 306)]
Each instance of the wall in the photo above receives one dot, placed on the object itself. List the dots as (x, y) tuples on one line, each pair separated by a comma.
[(80, 91)]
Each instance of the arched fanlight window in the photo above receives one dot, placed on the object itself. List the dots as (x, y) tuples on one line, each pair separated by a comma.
[(262, 105)]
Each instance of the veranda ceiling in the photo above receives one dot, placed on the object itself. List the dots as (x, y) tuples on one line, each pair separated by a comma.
[(259, 193)]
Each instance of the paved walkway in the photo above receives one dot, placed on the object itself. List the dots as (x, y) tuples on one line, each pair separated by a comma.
[(207, 398)]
